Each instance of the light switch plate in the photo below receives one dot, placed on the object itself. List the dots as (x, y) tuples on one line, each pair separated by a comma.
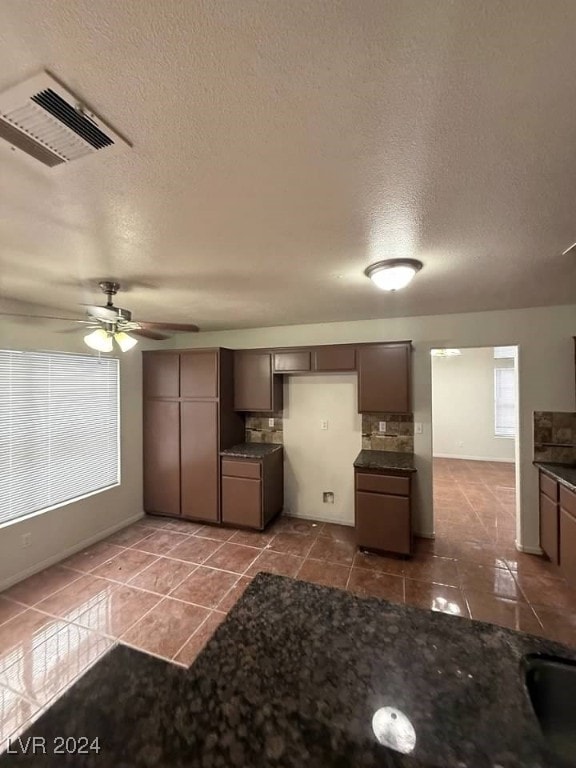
[(381, 426), (270, 422), (417, 428)]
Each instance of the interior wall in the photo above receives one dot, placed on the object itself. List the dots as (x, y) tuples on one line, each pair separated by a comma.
[(316, 459), (545, 372), (463, 407), (64, 530)]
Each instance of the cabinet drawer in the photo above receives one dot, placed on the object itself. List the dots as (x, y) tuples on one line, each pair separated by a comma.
[(568, 547), (238, 468), (242, 502), (383, 522), (549, 486), (285, 362), (549, 527), (400, 486), (568, 500)]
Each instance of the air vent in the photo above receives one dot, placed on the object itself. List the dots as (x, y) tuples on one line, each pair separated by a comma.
[(43, 119)]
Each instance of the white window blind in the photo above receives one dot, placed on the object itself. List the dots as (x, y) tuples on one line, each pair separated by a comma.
[(59, 429), (505, 402), (504, 352)]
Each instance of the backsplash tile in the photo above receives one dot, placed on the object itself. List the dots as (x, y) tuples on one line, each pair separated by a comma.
[(258, 429), (399, 435), (555, 436)]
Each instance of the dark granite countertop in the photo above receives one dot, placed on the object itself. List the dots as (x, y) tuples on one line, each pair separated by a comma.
[(251, 450), (385, 460), (564, 473), (294, 676)]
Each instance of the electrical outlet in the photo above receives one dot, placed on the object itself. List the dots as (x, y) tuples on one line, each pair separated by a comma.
[(328, 497), (381, 426), (323, 424), (417, 428), (26, 540), (270, 422)]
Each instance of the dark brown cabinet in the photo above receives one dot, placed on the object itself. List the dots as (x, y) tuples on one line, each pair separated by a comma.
[(334, 359), (568, 545), (188, 420), (549, 525), (256, 388), (294, 361), (383, 511), (384, 378), (252, 490)]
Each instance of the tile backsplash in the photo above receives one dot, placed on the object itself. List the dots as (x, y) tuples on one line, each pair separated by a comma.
[(399, 434), (555, 437), (258, 429)]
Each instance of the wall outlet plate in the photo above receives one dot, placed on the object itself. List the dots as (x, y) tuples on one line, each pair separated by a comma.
[(26, 539), (328, 497), (417, 427), (270, 422), (323, 424), (381, 426)]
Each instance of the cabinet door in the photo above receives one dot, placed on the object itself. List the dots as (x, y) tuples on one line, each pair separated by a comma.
[(199, 460), (255, 386), (162, 457), (335, 359), (384, 378), (242, 502), (549, 527), (161, 374), (199, 374), (568, 546), (292, 362), (383, 522)]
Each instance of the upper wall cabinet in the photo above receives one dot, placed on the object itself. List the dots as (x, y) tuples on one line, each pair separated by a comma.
[(384, 378), (199, 374), (161, 374), (293, 361), (255, 386), (334, 359)]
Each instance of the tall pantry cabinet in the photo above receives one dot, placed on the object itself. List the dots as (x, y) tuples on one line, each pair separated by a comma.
[(188, 419)]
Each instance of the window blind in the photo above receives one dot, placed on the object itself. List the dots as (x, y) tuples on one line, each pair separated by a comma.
[(59, 429), (505, 402)]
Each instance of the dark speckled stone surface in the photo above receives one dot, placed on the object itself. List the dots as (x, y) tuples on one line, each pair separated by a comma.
[(565, 474), (385, 460), (251, 450), (293, 677)]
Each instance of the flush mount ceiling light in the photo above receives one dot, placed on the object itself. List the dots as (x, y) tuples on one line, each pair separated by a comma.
[(393, 274)]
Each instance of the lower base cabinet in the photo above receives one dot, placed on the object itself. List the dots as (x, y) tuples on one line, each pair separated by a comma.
[(558, 525), (383, 512), (252, 490)]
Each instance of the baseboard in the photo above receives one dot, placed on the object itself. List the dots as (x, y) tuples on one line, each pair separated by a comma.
[(529, 550), (471, 458), (46, 563), (335, 520), (419, 535)]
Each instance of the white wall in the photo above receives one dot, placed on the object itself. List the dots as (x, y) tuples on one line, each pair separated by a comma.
[(66, 529), (317, 460), (463, 407), (545, 370)]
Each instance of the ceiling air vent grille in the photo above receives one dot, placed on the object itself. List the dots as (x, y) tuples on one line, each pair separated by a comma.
[(44, 120)]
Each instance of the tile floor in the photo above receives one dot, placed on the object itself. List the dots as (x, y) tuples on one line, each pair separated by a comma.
[(163, 586)]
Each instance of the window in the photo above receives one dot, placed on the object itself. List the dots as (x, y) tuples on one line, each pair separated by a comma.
[(59, 429), (504, 352), (505, 402)]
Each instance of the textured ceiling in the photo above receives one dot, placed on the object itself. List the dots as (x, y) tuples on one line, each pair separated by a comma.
[(280, 147)]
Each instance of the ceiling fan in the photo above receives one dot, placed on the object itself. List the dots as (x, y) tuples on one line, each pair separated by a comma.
[(110, 324)]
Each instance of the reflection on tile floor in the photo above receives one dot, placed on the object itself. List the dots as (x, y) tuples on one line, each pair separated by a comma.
[(163, 586)]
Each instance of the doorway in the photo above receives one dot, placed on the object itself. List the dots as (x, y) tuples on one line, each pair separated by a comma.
[(474, 426)]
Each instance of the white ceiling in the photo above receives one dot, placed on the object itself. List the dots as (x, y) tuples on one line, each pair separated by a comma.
[(281, 146)]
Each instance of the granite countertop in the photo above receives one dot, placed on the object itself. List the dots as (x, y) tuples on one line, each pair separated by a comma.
[(251, 450), (385, 460), (294, 676), (564, 473)]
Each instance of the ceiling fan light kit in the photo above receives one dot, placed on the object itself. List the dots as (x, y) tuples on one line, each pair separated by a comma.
[(100, 340), (393, 274)]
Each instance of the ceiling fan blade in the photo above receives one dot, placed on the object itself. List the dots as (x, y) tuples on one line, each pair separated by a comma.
[(170, 326), (102, 313), (148, 334), (41, 317)]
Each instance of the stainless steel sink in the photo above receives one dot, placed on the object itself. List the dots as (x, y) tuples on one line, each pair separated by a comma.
[(551, 684)]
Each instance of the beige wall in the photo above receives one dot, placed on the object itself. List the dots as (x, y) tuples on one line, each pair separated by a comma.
[(463, 407), (317, 460), (68, 528), (546, 375)]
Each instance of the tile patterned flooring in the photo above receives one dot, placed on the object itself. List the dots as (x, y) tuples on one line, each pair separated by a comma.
[(163, 586)]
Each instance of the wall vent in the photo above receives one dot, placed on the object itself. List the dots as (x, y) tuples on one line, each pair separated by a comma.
[(46, 121)]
